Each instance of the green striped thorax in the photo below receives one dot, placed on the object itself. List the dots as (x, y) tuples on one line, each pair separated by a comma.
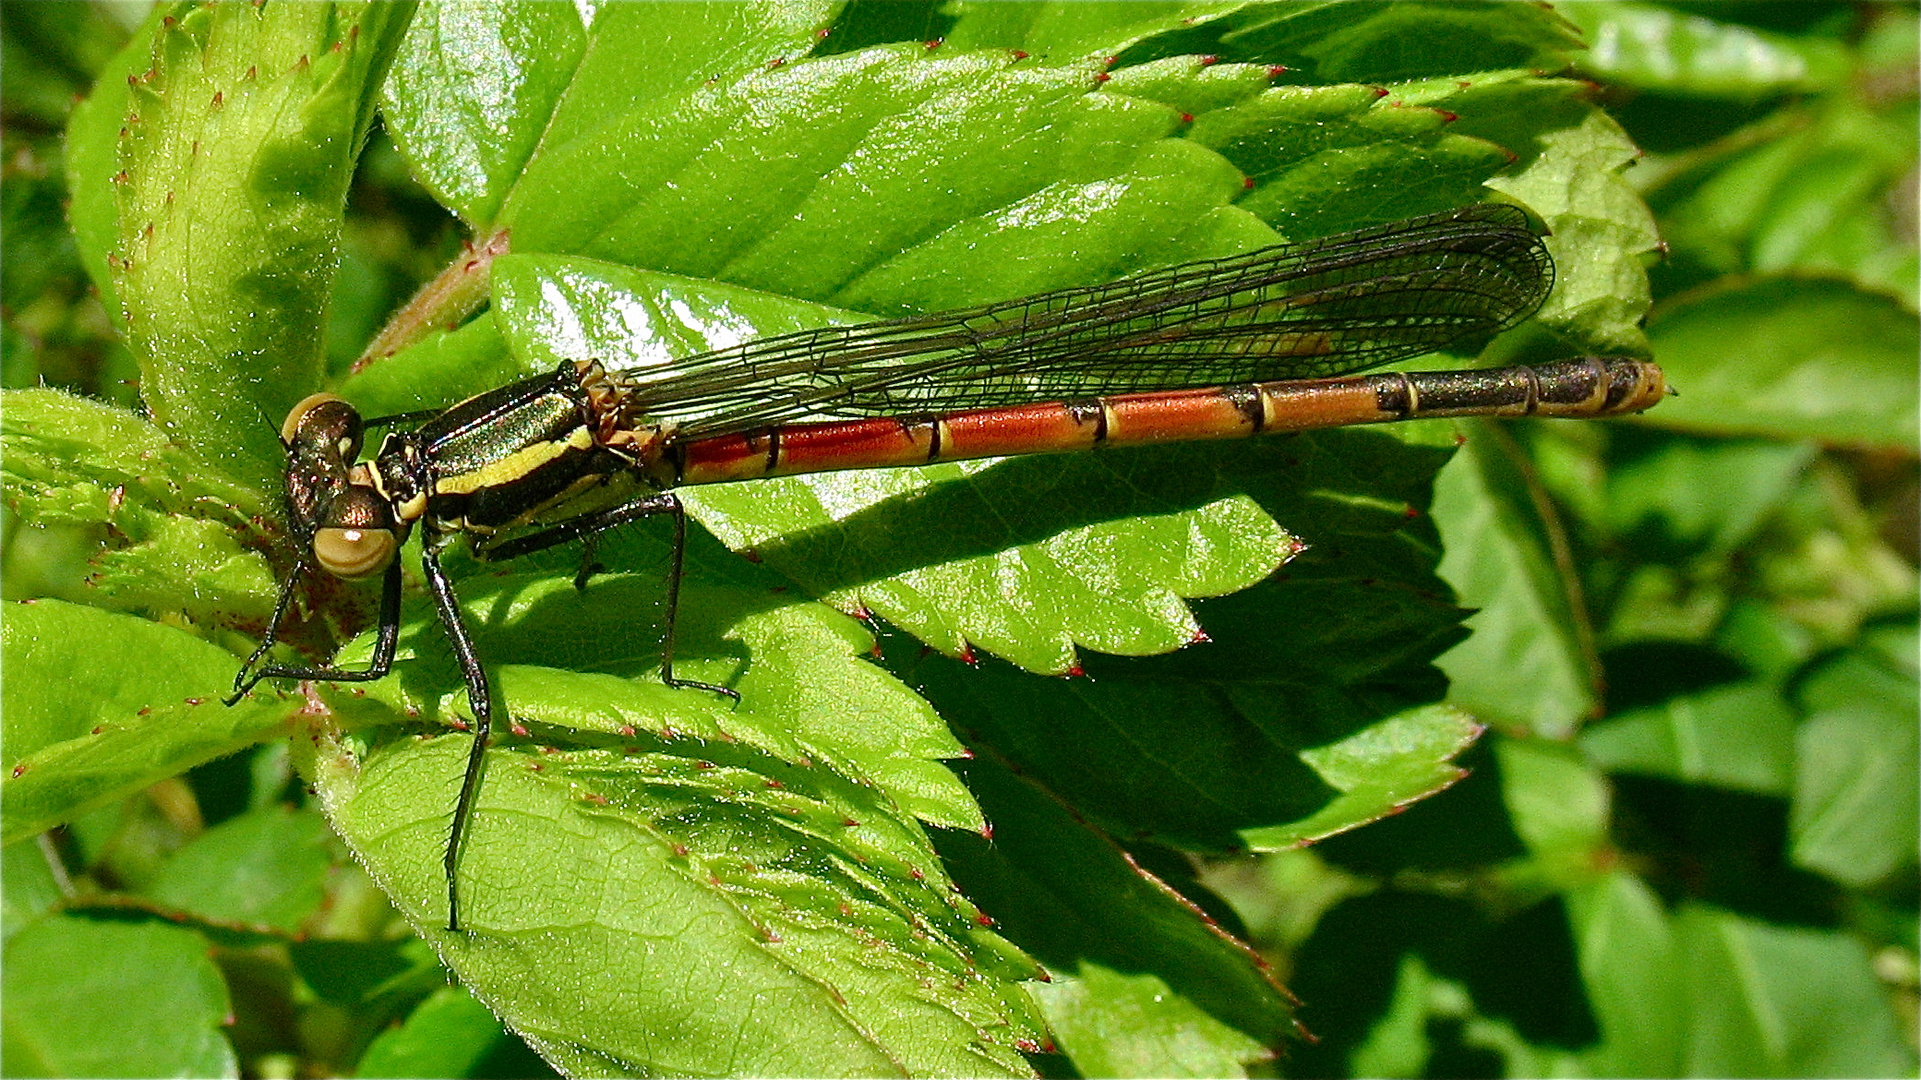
[(550, 445)]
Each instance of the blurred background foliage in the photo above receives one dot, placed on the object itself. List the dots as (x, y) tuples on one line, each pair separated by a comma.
[(1729, 786)]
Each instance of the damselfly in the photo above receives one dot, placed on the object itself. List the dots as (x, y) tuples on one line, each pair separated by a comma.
[(1177, 354)]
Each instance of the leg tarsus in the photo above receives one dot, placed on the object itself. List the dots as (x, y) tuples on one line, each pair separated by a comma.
[(588, 565), (693, 684), (387, 634), (676, 559)]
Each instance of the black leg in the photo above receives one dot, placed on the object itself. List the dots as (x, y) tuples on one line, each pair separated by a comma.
[(387, 634), (590, 525), (478, 697), (588, 566), (241, 684), (675, 562), (586, 525)]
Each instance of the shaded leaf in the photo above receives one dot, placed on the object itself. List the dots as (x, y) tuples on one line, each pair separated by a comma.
[(1738, 736), (148, 707), (1854, 798), (447, 1035), (1143, 982), (1657, 48), (266, 868), (1762, 1000), (167, 1002), (1213, 746), (1654, 484), (1529, 662), (32, 890), (1630, 965), (1791, 358), (229, 178), (1557, 801)]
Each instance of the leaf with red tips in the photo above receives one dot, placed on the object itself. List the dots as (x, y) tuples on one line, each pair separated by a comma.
[(270, 158), (60, 768), (707, 860)]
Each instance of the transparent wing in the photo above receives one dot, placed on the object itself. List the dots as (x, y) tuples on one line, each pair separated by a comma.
[(1326, 307)]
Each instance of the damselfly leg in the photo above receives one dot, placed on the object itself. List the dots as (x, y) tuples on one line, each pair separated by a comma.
[(587, 528), (385, 637)]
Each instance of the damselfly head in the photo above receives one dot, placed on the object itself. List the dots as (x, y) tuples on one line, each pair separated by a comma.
[(333, 507)]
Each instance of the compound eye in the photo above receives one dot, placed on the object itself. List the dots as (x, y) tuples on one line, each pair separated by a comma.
[(327, 416), (352, 552)]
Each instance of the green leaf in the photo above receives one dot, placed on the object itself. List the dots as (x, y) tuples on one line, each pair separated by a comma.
[(681, 804), (1530, 661), (845, 211), (74, 460), (1299, 147), (436, 372), (479, 91), (701, 872), (1739, 736), (91, 998), (1791, 358), (1650, 47), (1472, 978), (1398, 1044), (1631, 970), (229, 180), (1252, 736), (265, 869), (841, 211), (1764, 1000), (1855, 802), (447, 1035), (52, 49), (1702, 992), (1028, 559), (1321, 43), (1572, 175), (1378, 771), (1207, 762), (1803, 190), (100, 705), (1651, 481), (1122, 1023), (472, 90), (574, 661), (92, 148), (1557, 801), (1142, 982), (168, 521), (1834, 570), (549, 309), (33, 889)]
